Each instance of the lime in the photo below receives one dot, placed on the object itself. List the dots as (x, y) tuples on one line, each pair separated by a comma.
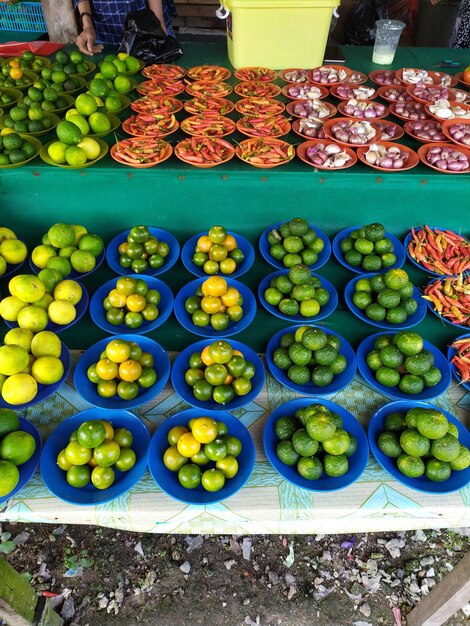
[(320, 427), (383, 246), (362, 299), (102, 477), (372, 263), (314, 339), (298, 374), (352, 446), (353, 257), (408, 342), (78, 476), (447, 448), (337, 444), (389, 444), (375, 232), (395, 422), (363, 245), (431, 423), (432, 377), (286, 453), (228, 466), (9, 422), (419, 364), (213, 480), (173, 460), (373, 360), (411, 384), (9, 477), (91, 433), (299, 354), (310, 468), (335, 466), (410, 466), (303, 444), (390, 356), (414, 443), (326, 355), (189, 476), (17, 447), (437, 471), (284, 428), (387, 376), (377, 282), (462, 461)]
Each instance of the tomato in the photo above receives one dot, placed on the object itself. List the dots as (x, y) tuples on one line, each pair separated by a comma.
[(91, 433), (147, 378), (127, 390), (106, 388), (223, 394), (115, 316), (187, 445), (118, 351), (215, 374), (217, 234), (202, 390), (133, 320), (76, 454), (213, 480), (125, 285), (107, 453), (130, 370), (241, 386), (78, 476), (195, 360), (146, 360), (220, 351), (204, 429), (106, 369), (123, 437), (192, 375), (126, 460), (200, 318), (92, 375), (153, 297), (236, 366), (228, 466), (136, 352), (102, 477), (189, 476), (150, 313), (175, 433)]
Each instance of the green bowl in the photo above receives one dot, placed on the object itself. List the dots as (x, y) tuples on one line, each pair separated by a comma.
[(133, 82), (16, 93), (33, 78), (47, 159), (115, 123), (37, 145), (55, 120), (133, 73), (91, 68)]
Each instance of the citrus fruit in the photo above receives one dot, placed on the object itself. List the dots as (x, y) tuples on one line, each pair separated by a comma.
[(337, 444), (70, 134), (27, 287), (9, 477), (102, 477), (431, 423), (437, 470), (13, 359), (19, 389), (414, 443), (47, 370), (462, 461), (46, 343), (286, 453), (408, 342), (173, 460), (189, 476), (91, 433), (9, 422), (82, 261), (446, 449), (303, 444), (17, 447), (204, 430), (123, 437), (13, 251), (85, 104), (335, 466), (126, 460), (78, 475), (213, 480)]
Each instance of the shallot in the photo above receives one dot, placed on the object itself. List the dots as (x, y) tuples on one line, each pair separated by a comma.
[(428, 130), (388, 130), (393, 158), (327, 75), (447, 158), (312, 108), (397, 94), (327, 155), (446, 110), (296, 76), (347, 92), (460, 133), (387, 77), (409, 110), (430, 93), (364, 108), (312, 129), (311, 92), (353, 132)]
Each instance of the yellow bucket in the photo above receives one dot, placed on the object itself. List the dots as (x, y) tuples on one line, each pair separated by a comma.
[(277, 34)]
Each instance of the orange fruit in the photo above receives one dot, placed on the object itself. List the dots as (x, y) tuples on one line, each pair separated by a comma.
[(187, 445), (214, 286), (106, 369), (230, 297), (205, 356), (230, 242), (14, 63), (130, 370), (16, 73), (117, 299), (210, 305), (136, 303), (204, 243)]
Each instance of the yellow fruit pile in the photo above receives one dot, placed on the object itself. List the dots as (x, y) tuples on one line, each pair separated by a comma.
[(12, 250), (26, 360), (215, 303), (217, 252), (32, 303)]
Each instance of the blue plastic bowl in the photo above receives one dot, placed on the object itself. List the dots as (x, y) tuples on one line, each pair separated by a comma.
[(112, 253), (87, 389), (407, 240), (410, 321), (74, 275), (431, 307), (185, 391), (394, 392), (44, 391), (398, 250), (81, 308), (340, 381), (28, 468), (264, 248), (324, 312), (12, 269), (55, 478), (184, 318), (243, 243), (98, 312), (457, 479), (168, 481), (450, 353), (357, 462)]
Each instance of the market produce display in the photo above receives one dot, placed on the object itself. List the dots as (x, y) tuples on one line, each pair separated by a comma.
[(368, 248), (215, 303), (290, 243), (459, 357), (131, 302), (217, 251), (32, 119), (13, 251), (17, 149), (73, 147)]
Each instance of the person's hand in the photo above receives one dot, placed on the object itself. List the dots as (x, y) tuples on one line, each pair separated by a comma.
[(86, 42)]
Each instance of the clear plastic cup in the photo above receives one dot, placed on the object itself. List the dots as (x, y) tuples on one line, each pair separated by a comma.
[(387, 36)]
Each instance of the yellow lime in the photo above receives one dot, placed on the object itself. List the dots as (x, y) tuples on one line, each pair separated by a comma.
[(6, 233), (33, 318), (83, 261), (10, 307), (81, 123), (56, 151), (91, 148), (46, 343), (75, 155), (99, 122), (17, 447), (27, 287), (13, 359), (61, 312), (85, 104), (68, 290), (41, 255), (19, 337), (61, 235), (47, 370), (13, 251), (79, 231), (19, 389), (9, 477)]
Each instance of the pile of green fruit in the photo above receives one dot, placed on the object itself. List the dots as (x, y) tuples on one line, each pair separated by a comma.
[(72, 63), (310, 355), (7, 98), (67, 247), (16, 448), (86, 115), (423, 442), (314, 440), (131, 302), (46, 96), (15, 148), (386, 297), (400, 360), (294, 242), (11, 75), (13, 251), (122, 63), (297, 292), (29, 61), (369, 248), (73, 147), (219, 373), (203, 443), (93, 453), (29, 119), (142, 250)]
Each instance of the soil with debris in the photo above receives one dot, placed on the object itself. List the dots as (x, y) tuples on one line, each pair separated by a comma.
[(99, 576)]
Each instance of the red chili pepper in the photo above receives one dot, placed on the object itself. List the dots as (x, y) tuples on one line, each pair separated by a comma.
[(450, 254)]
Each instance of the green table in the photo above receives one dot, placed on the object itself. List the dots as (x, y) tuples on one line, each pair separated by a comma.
[(109, 197)]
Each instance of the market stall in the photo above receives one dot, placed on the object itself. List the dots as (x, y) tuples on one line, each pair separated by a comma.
[(109, 197)]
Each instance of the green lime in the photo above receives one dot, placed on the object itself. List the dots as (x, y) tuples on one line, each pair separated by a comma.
[(9, 422), (383, 246), (375, 312), (189, 476), (320, 426), (303, 444), (462, 461), (322, 375), (437, 471), (447, 448), (419, 364), (388, 298), (387, 376), (78, 476), (411, 384), (377, 282), (389, 444), (373, 360), (286, 453), (284, 428), (298, 374), (390, 356), (372, 263), (352, 446), (410, 466), (310, 468), (353, 257), (432, 377), (363, 245), (339, 364), (414, 443), (395, 422), (314, 339), (362, 299), (338, 443), (431, 423), (375, 232), (326, 355), (408, 342), (335, 466)]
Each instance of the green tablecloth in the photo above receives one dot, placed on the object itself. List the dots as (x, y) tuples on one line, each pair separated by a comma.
[(268, 503)]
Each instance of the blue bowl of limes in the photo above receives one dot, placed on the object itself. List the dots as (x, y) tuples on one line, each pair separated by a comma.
[(185, 316), (168, 480), (457, 479), (323, 255), (356, 462), (398, 251), (55, 478)]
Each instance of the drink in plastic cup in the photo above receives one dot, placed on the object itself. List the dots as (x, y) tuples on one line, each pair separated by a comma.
[(387, 36)]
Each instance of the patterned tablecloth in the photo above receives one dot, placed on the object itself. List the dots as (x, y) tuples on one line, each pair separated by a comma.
[(267, 503)]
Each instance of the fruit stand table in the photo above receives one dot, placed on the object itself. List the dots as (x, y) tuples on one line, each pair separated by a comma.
[(109, 198)]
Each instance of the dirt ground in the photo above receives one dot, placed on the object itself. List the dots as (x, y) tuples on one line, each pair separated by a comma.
[(100, 577)]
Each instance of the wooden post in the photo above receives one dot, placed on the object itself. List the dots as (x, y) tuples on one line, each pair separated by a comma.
[(19, 602), (60, 20), (450, 595)]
